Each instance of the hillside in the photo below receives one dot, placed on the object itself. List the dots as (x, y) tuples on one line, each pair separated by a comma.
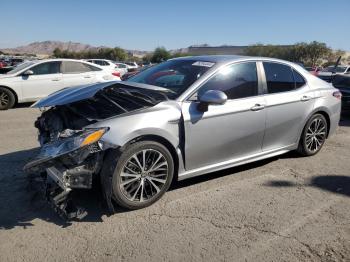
[(47, 47)]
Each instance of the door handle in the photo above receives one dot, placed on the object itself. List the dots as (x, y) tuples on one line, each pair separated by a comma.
[(87, 76), (305, 98), (55, 79), (257, 107)]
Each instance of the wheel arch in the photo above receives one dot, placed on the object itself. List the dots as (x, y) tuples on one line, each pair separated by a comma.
[(323, 111), (165, 142), (326, 116), (12, 91)]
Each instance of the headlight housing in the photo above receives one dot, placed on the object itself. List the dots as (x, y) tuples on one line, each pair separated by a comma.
[(66, 145)]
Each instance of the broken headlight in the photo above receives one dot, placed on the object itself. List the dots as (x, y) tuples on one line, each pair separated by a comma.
[(80, 139)]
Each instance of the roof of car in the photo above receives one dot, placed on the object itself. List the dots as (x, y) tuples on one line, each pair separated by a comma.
[(223, 59), (226, 58), (213, 58)]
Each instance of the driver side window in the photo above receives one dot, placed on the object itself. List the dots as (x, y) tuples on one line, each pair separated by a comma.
[(236, 81)]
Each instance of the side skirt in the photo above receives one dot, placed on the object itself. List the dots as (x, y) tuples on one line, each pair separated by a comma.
[(235, 162)]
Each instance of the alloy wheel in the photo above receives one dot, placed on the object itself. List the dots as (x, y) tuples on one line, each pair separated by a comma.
[(315, 134), (144, 175), (4, 98)]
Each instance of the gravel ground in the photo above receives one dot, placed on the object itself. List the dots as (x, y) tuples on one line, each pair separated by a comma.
[(286, 208)]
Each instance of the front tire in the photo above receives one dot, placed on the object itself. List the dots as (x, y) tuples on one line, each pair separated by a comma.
[(7, 99), (142, 175), (314, 135)]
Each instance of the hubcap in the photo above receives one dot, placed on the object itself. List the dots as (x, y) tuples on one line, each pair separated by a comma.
[(144, 175), (4, 99), (316, 134)]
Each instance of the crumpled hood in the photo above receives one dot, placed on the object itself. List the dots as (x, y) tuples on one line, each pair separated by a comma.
[(70, 95), (74, 94)]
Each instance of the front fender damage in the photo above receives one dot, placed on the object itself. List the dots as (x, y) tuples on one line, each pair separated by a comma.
[(66, 162)]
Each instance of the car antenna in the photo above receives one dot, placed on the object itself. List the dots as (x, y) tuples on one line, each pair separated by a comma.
[(335, 68)]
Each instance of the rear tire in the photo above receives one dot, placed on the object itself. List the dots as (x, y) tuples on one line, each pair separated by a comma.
[(7, 99), (313, 136), (143, 173)]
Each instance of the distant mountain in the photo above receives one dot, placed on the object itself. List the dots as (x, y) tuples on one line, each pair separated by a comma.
[(47, 47)]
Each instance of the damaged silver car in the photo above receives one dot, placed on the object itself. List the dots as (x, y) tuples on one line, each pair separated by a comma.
[(182, 118)]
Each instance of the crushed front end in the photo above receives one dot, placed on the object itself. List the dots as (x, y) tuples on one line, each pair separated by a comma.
[(69, 163), (72, 148)]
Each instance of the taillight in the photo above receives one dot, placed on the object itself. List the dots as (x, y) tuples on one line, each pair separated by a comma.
[(116, 74), (337, 94)]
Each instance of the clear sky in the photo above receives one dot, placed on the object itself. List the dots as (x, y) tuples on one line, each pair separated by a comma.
[(146, 24)]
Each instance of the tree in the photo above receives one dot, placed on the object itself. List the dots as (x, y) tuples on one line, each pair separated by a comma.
[(308, 53), (147, 58), (298, 53), (119, 54), (317, 51), (103, 53), (334, 55), (160, 54), (57, 52)]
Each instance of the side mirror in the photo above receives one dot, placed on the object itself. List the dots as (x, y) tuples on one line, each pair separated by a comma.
[(28, 73), (213, 97)]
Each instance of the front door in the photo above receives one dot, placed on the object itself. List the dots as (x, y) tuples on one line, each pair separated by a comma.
[(229, 131), (46, 79)]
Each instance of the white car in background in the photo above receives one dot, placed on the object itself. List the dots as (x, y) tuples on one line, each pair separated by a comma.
[(122, 68), (111, 65), (132, 65), (33, 80)]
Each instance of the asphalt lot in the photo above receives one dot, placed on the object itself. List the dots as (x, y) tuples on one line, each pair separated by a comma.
[(283, 209)]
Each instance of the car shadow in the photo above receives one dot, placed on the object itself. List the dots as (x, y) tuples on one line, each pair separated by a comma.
[(332, 183), (22, 196), (23, 105)]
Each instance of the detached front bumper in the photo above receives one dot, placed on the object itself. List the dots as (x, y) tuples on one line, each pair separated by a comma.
[(67, 165)]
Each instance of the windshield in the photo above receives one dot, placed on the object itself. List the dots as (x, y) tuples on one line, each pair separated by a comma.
[(339, 69), (20, 67), (176, 75)]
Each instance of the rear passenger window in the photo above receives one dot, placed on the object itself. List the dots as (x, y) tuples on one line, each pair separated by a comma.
[(236, 81), (279, 77), (299, 80), (76, 67)]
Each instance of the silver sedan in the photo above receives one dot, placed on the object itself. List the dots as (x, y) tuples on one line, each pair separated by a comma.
[(182, 118)]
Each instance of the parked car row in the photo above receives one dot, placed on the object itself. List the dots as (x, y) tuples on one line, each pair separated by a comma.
[(32, 80), (122, 67), (112, 65)]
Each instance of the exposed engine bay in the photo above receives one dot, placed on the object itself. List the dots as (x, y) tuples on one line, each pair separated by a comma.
[(71, 153), (62, 120)]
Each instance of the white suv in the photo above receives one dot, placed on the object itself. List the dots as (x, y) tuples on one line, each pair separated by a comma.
[(33, 80)]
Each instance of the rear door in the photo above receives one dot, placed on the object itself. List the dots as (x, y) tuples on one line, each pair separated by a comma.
[(289, 101), (45, 80), (76, 73)]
